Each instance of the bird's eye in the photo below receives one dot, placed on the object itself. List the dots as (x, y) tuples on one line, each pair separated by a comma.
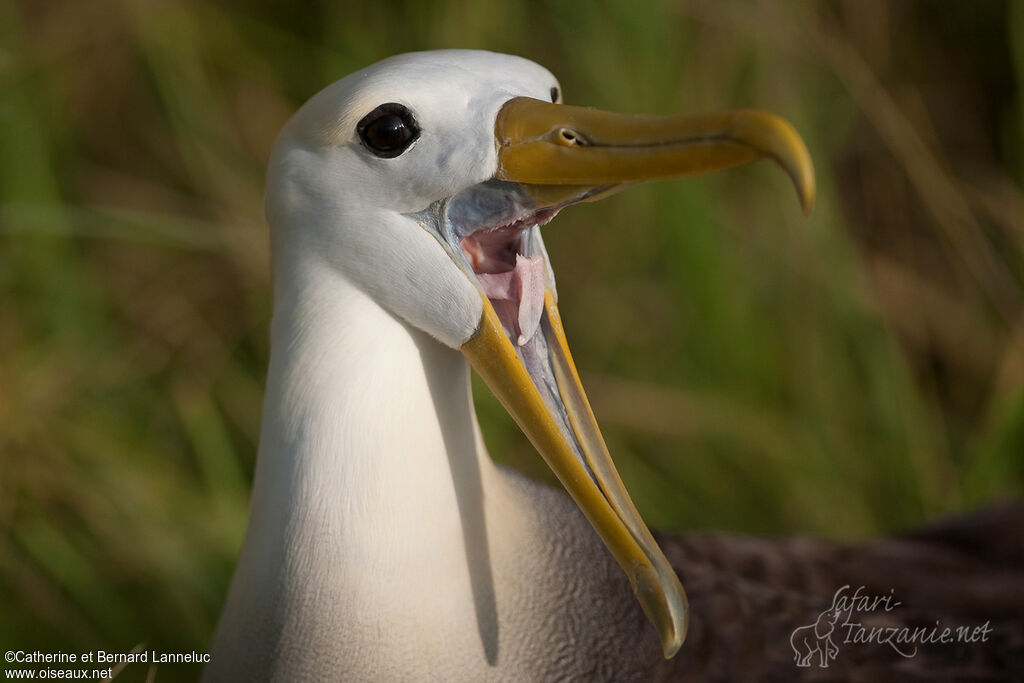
[(388, 130), (554, 94)]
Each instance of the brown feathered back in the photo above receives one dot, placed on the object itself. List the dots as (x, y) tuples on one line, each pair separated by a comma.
[(749, 596)]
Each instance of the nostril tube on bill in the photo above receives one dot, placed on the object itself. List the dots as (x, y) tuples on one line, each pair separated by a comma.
[(570, 137)]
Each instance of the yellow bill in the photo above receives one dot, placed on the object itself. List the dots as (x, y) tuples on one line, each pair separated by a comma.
[(558, 155)]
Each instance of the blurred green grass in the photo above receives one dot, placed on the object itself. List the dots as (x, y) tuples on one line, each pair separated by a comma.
[(847, 375)]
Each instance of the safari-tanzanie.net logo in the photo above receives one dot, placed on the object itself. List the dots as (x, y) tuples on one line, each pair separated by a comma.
[(847, 622)]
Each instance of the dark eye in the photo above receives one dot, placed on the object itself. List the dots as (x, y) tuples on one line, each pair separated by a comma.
[(388, 130), (554, 94)]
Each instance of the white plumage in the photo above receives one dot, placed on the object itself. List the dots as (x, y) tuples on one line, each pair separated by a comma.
[(383, 543)]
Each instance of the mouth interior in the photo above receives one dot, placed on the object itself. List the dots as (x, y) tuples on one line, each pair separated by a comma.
[(497, 230), (511, 274)]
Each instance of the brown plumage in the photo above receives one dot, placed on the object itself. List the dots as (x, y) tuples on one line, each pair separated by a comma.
[(748, 595)]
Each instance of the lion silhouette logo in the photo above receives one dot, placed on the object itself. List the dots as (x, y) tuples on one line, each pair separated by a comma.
[(816, 637)]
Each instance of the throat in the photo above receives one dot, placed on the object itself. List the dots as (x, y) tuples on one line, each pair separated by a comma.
[(374, 417), (517, 296), (373, 493)]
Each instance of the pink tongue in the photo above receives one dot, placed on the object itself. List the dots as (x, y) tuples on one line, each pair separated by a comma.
[(518, 296)]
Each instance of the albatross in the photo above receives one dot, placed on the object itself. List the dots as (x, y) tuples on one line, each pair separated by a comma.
[(405, 203)]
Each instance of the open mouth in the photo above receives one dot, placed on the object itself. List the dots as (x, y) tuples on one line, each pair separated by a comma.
[(511, 272), (494, 230), (519, 347)]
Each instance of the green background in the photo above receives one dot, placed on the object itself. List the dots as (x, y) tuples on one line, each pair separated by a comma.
[(852, 374)]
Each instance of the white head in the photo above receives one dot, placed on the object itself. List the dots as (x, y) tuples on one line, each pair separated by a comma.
[(354, 203)]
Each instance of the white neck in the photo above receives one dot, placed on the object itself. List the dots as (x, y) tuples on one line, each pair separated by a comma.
[(365, 422), (368, 505), (382, 542)]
